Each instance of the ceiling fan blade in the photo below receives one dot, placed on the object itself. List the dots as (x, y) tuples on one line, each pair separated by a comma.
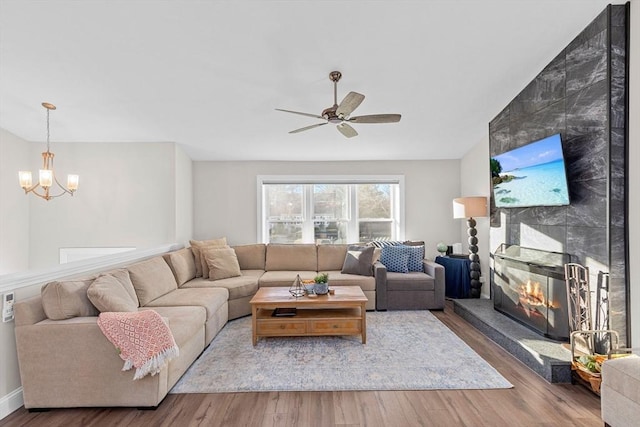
[(308, 127), (302, 114), (349, 103), (376, 118), (347, 130)]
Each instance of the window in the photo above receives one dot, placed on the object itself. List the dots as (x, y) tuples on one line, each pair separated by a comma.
[(329, 209)]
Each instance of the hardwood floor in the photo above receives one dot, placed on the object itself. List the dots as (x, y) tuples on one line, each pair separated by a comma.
[(532, 402)]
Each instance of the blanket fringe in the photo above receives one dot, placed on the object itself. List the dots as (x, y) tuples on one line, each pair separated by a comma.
[(153, 365)]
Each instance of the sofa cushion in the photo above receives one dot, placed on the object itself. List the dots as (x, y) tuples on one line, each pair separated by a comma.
[(238, 287), (411, 281), (152, 279), (395, 258), (222, 263), (366, 283), (209, 298), (416, 255), (184, 322), (358, 260), (182, 264), (108, 294), (302, 257), (285, 278), (251, 257), (331, 257), (196, 245), (66, 299)]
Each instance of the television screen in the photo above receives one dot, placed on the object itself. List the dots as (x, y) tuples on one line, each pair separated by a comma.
[(531, 175)]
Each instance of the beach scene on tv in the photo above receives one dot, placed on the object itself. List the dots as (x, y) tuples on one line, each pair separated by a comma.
[(531, 175)]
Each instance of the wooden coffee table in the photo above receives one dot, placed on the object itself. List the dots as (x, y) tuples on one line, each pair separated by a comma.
[(342, 313)]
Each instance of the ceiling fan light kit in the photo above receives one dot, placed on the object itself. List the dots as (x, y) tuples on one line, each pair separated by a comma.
[(339, 114)]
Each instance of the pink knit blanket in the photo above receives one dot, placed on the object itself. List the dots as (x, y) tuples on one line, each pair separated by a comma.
[(143, 339)]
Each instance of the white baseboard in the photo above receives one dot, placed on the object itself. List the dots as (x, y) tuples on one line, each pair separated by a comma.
[(11, 402)]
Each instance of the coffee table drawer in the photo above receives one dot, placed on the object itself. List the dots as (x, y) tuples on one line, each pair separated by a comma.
[(288, 327), (337, 326)]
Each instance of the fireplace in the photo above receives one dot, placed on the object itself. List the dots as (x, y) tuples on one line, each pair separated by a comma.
[(528, 285)]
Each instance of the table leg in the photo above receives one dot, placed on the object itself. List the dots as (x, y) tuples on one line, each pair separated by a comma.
[(364, 323), (254, 324)]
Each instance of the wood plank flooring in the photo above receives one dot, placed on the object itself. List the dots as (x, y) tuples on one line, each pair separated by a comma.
[(532, 402)]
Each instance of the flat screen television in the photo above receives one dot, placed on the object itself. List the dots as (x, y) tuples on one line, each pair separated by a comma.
[(531, 175)]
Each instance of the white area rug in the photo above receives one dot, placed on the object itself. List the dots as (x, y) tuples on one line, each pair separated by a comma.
[(405, 350)]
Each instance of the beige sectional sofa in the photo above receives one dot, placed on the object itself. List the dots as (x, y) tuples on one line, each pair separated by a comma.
[(58, 339)]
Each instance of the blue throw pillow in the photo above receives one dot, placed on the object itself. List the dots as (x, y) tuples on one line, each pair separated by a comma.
[(395, 258), (416, 255)]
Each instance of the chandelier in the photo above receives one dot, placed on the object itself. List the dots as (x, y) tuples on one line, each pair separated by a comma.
[(47, 178)]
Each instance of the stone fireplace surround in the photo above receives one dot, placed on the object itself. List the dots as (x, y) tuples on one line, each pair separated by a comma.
[(581, 94)]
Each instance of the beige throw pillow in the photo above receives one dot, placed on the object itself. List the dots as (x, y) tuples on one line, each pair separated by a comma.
[(358, 260), (67, 299), (152, 279), (182, 263), (122, 276), (108, 294), (222, 263), (197, 245)]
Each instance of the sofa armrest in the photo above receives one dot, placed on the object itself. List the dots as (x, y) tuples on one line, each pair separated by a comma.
[(52, 352), (437, 272), (380, 273)]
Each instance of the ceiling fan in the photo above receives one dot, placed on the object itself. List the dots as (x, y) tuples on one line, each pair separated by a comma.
[(339, 113)]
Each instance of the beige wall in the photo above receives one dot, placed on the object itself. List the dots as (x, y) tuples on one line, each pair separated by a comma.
[(474, 181), (126, 197), (137, 195), (183, 196), (14, 205), (225, 198)]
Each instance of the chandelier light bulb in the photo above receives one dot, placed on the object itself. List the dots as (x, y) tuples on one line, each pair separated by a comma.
[(26, 180), (46, 178), (72, 182)]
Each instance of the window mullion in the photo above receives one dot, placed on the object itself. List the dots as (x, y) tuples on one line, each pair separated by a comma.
[(307, 227), (353, 229)]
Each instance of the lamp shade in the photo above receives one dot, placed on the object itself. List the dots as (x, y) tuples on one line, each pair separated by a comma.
[(468, 207)]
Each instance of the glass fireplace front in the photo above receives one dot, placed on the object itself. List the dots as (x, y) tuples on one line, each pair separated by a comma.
[(528, 285)]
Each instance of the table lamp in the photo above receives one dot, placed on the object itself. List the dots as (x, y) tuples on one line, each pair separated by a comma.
[(470, 207)]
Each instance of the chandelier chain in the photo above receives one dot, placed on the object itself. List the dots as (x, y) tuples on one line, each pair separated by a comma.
[(48, 111)]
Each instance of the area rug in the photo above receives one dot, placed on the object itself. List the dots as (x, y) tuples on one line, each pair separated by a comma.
[(405, 350)]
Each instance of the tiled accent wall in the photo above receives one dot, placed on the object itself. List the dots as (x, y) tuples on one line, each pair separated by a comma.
[(581, 94)]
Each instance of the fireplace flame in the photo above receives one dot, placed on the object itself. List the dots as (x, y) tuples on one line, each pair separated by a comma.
[(531, 295)]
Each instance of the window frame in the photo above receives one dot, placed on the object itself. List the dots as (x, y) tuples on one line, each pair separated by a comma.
[(398, 205)]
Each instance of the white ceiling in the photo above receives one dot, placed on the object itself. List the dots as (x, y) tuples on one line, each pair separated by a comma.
[(208, 74)]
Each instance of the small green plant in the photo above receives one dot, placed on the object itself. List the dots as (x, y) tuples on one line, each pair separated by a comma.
[(321, 278)]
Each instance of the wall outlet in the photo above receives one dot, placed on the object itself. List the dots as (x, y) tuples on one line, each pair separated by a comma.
[(7, 307)]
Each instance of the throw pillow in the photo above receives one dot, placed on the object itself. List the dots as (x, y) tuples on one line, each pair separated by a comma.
[(182, 264), (67, 299), (108, 294), (122, 276), (384, 243), (376, 255), (416, 255), (196, 245), (358, 260), (395, 258), (222, 263)]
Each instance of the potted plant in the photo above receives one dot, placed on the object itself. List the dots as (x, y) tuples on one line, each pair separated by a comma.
[(321, 286)]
